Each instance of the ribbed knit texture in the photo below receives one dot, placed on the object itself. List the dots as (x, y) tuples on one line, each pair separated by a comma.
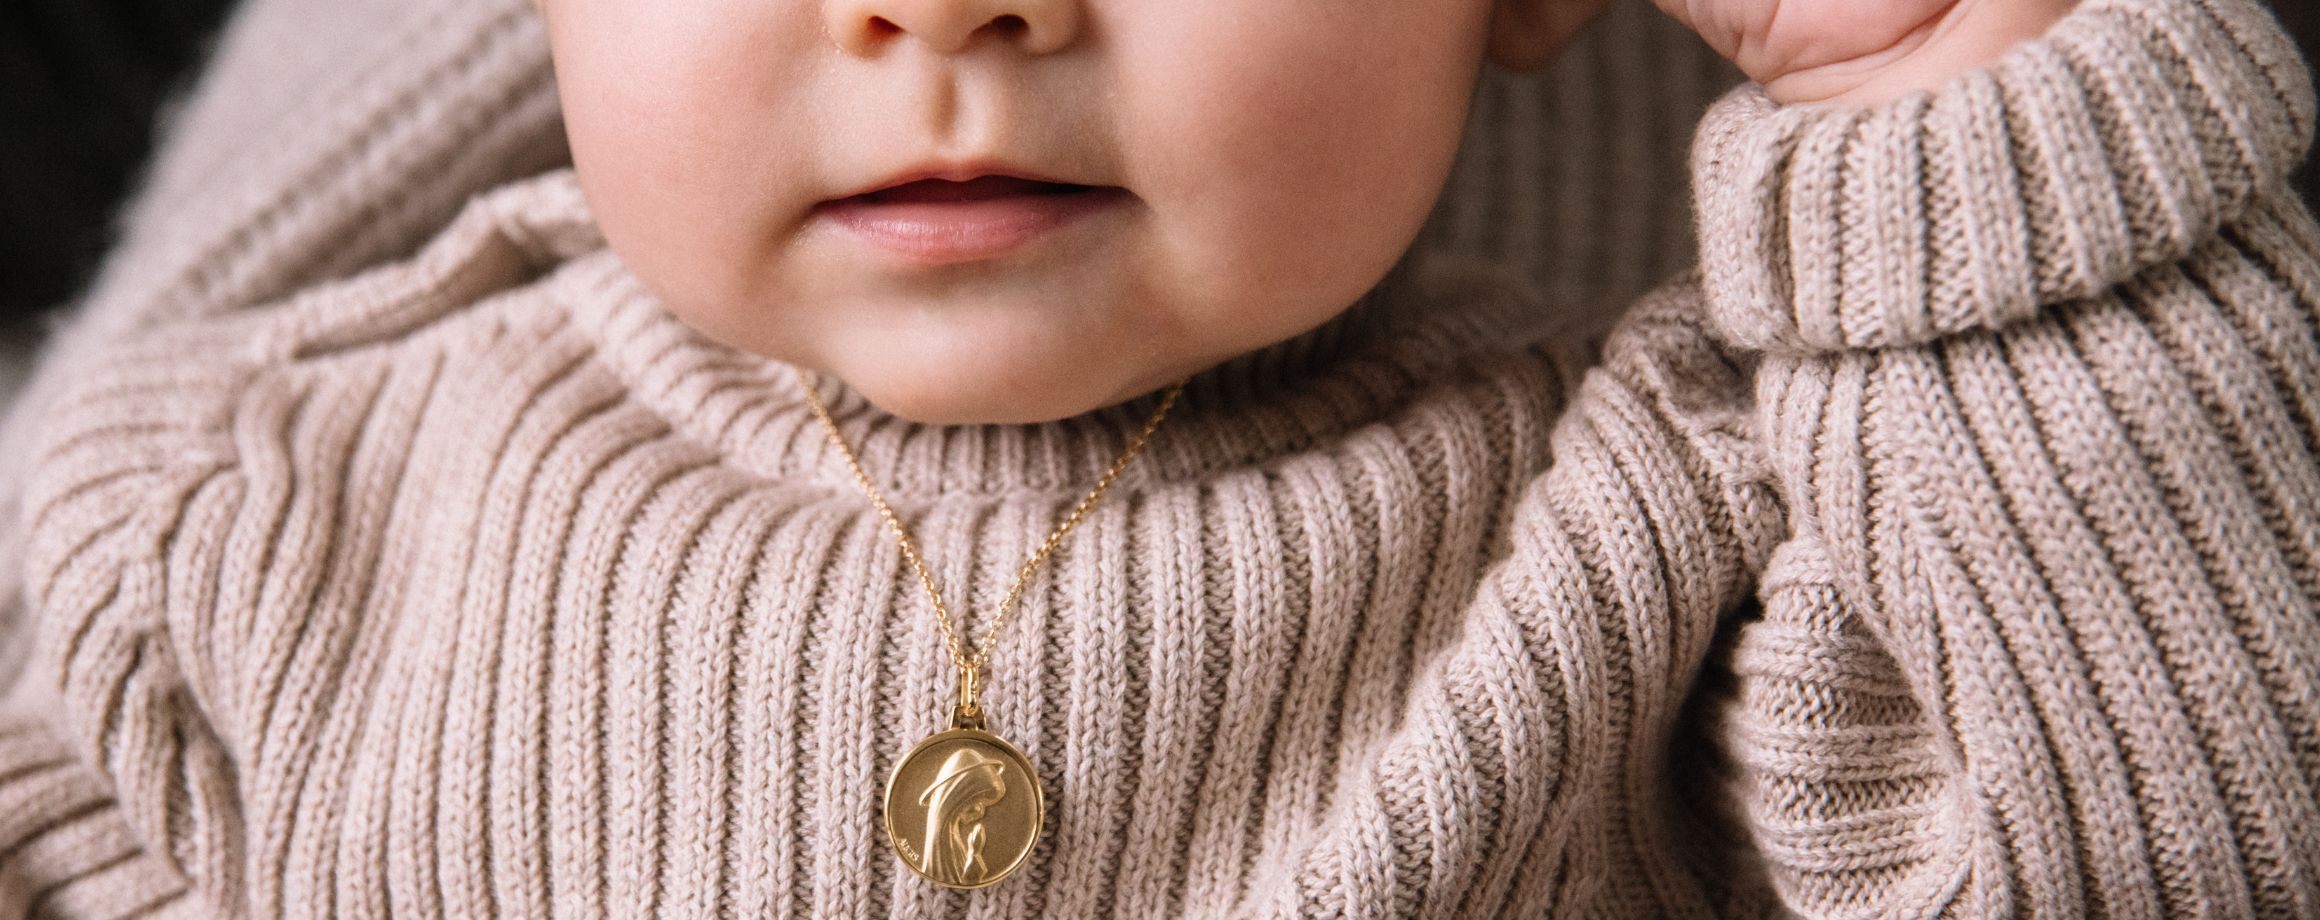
[(1948, 546)]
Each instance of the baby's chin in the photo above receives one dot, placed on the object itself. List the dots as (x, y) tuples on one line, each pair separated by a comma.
[(1010, 353), (1002, 386), (1012, 344)]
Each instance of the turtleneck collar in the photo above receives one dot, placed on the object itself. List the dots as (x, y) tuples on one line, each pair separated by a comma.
[(1414, 328)]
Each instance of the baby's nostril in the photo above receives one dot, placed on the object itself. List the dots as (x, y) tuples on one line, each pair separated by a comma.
[(879, 26), (1009, 24)]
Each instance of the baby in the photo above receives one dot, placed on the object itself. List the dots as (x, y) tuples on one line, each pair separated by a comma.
[(1007, 458)]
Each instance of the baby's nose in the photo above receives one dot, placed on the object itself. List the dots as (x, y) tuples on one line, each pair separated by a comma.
[(1039, 26)]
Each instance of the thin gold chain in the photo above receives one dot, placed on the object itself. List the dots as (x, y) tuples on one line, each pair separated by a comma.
[(970, 667)]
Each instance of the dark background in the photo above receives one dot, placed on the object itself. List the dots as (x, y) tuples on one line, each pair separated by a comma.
[(2303, 18), (81, 82), (80, 85)]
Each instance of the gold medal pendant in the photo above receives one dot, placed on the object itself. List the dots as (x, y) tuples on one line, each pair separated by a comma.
[(964, 807)]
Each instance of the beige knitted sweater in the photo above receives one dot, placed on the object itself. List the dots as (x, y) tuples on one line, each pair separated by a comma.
[(1948, 545)]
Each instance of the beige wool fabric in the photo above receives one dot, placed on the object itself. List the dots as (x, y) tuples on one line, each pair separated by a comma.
[(1946, 545)]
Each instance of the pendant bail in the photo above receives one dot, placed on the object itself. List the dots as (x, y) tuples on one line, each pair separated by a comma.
[(969, 712)]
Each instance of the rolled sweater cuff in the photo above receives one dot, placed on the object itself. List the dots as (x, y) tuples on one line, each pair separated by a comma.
[(2121, 138)]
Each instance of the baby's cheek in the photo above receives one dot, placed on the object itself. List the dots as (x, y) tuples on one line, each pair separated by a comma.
[(671, 123), (1302, 147)]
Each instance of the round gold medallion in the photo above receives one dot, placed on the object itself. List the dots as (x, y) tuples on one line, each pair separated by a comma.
[(963, 808)]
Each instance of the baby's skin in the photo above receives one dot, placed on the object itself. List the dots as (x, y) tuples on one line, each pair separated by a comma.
[(990, 211)]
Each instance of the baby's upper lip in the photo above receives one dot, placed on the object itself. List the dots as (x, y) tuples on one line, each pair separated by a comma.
[(962, 172)]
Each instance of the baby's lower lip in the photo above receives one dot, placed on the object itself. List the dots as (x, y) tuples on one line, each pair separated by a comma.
[(938, 222)]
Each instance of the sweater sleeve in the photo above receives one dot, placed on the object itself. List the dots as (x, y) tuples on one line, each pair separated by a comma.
[(318, 140), (67, 852), (145, 710), (2041, 392)]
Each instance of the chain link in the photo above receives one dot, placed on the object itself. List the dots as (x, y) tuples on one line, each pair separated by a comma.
[(970, 667)]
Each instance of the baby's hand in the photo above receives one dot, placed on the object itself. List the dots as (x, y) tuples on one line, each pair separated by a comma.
[(1862, 51)]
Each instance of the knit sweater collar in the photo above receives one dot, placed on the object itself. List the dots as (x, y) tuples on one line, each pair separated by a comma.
[(1430, 314)]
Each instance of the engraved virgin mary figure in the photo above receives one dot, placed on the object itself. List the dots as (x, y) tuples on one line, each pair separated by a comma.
[(966, 785)]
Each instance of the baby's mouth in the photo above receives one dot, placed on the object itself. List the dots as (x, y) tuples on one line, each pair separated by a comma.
[(979, 188), (937, 221)]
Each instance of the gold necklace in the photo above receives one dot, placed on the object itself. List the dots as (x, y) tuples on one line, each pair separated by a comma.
[(964, 807)]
